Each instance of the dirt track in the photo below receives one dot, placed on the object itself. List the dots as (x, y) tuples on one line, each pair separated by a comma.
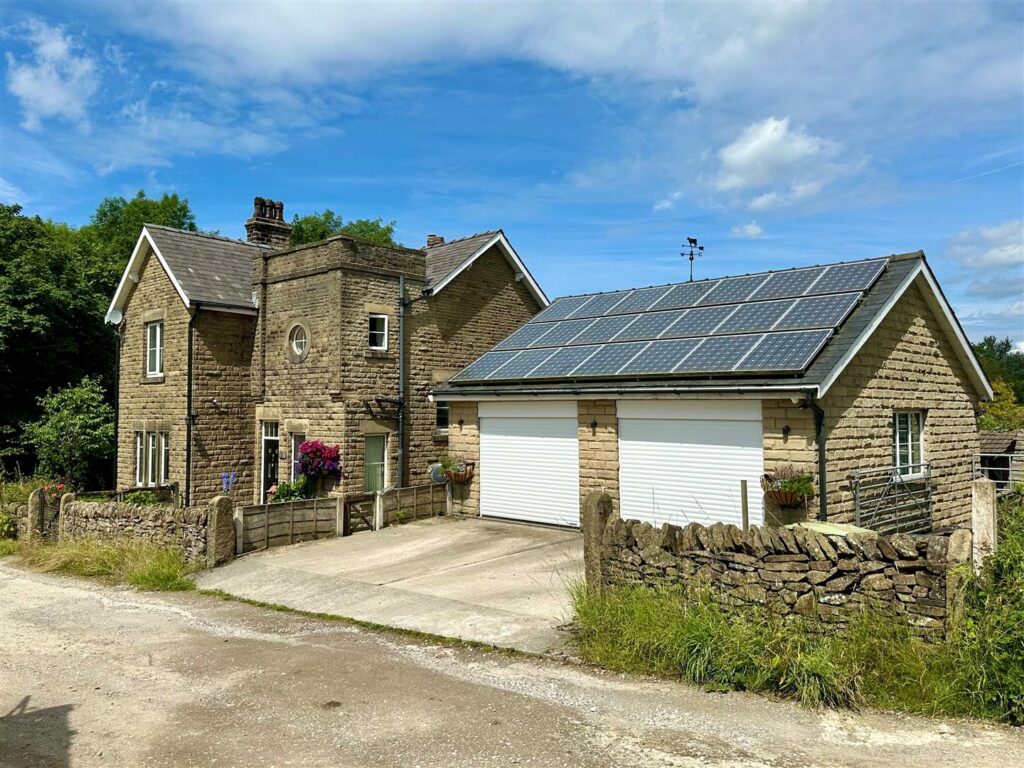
[(94, 675)]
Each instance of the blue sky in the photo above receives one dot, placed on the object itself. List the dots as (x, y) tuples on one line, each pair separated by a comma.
[(597, 136)]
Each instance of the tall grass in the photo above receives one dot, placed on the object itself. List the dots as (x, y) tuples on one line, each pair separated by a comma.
[(878, 660), (141, 564), (15, 488)]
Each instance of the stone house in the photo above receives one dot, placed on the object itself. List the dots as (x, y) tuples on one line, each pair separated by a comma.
[(232, 353), (677, 400)]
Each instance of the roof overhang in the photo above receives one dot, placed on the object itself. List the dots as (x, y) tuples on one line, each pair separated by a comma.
[(625, 392), (947, 319), (143, 247), (509, 252)]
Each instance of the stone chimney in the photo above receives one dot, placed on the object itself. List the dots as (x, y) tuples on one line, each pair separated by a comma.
[(433, 240), (267, 225)]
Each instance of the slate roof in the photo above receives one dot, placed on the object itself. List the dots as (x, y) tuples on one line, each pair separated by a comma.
[(444, 259), (1002, 442), (897, 269), (210, 269)]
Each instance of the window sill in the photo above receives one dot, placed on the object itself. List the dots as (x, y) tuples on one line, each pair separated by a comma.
[(152, 379), (440, 436), (378, 354)]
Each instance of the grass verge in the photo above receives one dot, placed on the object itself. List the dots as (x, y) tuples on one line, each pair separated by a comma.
[(141, 564), (8, 547)]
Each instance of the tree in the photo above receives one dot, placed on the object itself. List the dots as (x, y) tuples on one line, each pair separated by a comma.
[(1000, 361), (320, 226), (1004, 412), (75, 436)]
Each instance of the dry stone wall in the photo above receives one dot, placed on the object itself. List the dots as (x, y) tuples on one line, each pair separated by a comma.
[(174, 527), (793, 571)]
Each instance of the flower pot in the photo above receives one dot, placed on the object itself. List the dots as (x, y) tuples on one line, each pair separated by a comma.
[(782, 497), (463, 475)]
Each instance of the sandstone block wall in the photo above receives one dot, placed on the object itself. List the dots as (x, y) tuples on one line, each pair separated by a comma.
[(464, 442), (792, 571), (599, 448), (174, 527)]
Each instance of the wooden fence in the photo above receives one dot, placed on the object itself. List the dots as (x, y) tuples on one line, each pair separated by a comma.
[(402, 505), (287, 522)]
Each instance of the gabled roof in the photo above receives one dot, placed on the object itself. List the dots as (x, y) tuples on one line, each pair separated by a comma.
[(204, 269), (447, 261), (792, 331)]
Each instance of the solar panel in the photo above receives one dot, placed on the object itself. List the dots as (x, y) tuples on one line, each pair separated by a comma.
[(563, 361), (522, 364), (562, 308), (661, 356), (819, 312), (525, 336), (483, 367), (698, 322), (759, 316), (684, 295), (561, 333), (638, 301), (649, 326), (718, 353), (731, 290), (603, 329), (609, 358), (600, 303), (848, 277), (784, 285), (785, 351)]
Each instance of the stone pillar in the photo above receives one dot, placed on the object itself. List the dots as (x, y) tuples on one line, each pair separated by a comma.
[(958, 554), (36, 523), (983, 519), (220, 531), (594, 516), (64, 526)]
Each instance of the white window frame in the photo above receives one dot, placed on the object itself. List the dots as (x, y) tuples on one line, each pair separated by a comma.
[(297, 440), (369, 335), (165, 458), (152, 458), (140, 459), (914, 466), (155, 367), (293, 337), (384, 473), (442, 405), (264, 437)]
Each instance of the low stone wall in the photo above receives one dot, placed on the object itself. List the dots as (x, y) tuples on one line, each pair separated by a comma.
[(789, 570), (184, 529), (20, 513)]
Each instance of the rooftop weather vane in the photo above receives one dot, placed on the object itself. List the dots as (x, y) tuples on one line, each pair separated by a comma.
[(695, 251)]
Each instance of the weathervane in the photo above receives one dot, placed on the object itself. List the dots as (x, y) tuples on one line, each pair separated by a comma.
[(695, 251)]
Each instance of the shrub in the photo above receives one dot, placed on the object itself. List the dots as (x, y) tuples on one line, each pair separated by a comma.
[(8, 526), (299, 488), (141, 498), (9, 547), (141, 564)]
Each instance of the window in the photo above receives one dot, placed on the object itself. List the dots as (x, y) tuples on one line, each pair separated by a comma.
[(378, 332), (908, 442), (140, 459), (297, 440), (165, 458), (441, 416), (375, 463), (155, 349), (298, 342), (271, 449), (154, 458)]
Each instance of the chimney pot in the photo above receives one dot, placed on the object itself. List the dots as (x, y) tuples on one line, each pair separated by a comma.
[(433, 240), (267, 225)]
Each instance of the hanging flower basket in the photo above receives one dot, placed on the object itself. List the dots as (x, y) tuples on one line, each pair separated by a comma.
[(781, 497), (788, 486), (462, 473)]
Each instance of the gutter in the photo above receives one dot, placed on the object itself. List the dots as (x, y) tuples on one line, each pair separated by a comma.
[(819, 439), (577, 392)]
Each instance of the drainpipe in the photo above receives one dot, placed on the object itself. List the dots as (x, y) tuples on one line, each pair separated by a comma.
[(117, 399), (189, 416), (401, 380), (819, 438)]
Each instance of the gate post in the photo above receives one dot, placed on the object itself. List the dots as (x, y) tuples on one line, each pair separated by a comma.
[(597, 511), (983, 519)]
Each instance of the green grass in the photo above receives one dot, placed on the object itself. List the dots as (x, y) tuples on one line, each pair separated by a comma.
[(8, 547), (141, 564), (16, 488), (977, 671)]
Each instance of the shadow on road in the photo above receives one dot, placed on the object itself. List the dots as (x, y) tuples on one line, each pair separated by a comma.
[(36, 737)]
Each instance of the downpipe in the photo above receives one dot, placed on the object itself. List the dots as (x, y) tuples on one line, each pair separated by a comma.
[(819, 439)]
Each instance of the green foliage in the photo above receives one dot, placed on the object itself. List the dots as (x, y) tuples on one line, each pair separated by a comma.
[(140, 498), (15, 488), (75, 433), (299, 488), (452, 464), (8, 526), (788, 478), (141, 564), (1000, 361), (9, 547), (320, 226), (1004, 412)]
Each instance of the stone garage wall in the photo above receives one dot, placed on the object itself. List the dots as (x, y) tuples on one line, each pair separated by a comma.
[(184, 529), (791, 571)]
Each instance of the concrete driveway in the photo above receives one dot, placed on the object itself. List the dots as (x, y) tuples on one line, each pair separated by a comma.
[(492, 582)]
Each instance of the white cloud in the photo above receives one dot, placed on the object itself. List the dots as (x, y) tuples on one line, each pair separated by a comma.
[(55, 82), (9, 193), (668, 202), (990, 260), (749, 231)]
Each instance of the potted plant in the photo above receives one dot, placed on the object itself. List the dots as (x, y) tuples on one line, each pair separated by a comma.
[(788, 486), (318, 461), (457, 470)]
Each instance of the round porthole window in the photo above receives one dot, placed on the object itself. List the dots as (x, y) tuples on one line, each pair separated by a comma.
[(298, 343)]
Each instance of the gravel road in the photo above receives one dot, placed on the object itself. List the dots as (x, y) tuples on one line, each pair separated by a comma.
[(92, 675)]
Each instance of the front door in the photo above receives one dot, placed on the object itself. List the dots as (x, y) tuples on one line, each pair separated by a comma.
[(271, 449)]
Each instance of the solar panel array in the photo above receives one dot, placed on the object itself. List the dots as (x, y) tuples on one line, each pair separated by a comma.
[(775, 322)]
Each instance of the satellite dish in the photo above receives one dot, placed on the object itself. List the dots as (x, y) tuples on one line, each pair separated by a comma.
[(115, 316), (436, 475)]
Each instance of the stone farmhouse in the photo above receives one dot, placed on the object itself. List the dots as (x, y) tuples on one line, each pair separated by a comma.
[(233, 353), (676, 400)]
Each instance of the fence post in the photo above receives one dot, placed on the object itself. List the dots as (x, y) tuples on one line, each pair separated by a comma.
[(266, 526), (744, 504), (378, 511), (983, 519), (239, 519)]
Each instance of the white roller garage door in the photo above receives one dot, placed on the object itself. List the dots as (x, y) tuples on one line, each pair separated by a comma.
[(529, 462), (682, 461)]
